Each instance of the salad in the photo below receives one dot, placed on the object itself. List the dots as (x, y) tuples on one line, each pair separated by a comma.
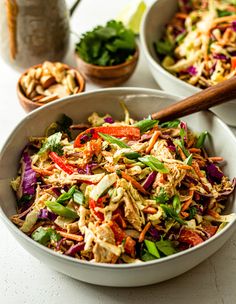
[(199, 43), (122, 191)]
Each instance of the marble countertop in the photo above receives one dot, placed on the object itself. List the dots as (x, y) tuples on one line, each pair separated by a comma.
[(23, 279)]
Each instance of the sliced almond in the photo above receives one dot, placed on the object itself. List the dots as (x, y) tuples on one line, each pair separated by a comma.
[(47, 66), (31, 73), (39, 89), (33, 94), (38, 97), (47, 81), (60, 67), (76, 90), (30, 87), (49, 98), (38, 73), (70, 81), (58, 89)]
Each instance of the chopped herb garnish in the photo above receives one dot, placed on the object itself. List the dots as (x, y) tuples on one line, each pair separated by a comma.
[(170, 124), (153, 163), (52, 143), (113, 140), (188, 160), (201, 139), (170, 212), (164, 47), (78, 197), (145, 124), (107, 45), (132, 155), (176, 204), (66, 195), (45, 235), (162, 197)]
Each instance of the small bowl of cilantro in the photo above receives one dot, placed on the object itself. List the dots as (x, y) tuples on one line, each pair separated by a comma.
[(107, 55)]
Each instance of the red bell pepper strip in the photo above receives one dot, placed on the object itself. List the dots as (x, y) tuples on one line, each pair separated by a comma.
[(117, 131), (190, 237), (61, 163), (99, 203), (233, 62), (118, 232)]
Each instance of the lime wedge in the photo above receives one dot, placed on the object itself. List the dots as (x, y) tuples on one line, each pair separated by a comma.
[(132, 13)]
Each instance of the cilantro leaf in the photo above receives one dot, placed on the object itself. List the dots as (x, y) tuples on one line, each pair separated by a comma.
[(170, 212), (162, 197), (164, 47), (107, 45), (52, 143), (44, 236)]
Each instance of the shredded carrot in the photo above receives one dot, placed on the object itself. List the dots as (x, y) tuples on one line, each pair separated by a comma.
[(184, 214), (216, 159), (181, 15), (71, 236), (43, 172), (181, 153), (143, 232), (133, 182), (195, 150), (185, 167), (213, 213), (191, 142), (197, 170), (224, 19), (188, 202), (153, 140), (149, 210)]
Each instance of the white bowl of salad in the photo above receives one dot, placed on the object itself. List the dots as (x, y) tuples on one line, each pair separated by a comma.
[(191, 45), (96, 189)]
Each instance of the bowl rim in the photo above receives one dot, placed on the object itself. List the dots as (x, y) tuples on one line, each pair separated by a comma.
[(69, 259), (28, 101), (128, 62), (153, 62)]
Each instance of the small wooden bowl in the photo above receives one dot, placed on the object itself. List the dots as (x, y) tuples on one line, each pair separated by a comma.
[(30, 105), (108, 76)]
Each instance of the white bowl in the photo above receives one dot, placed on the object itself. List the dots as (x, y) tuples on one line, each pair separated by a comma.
[(140, 102), (152, 28)]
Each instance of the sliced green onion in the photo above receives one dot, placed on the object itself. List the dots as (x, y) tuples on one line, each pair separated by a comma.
[(188, 160), (78, 197), (153, 163), (152, 249), (180, 144), (66, 195), (201, 139), (176, 204), (132, 155), (170, 124), (61, 210), (145, 124), (113, 140)]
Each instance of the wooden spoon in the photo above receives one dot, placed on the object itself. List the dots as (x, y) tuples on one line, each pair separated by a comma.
[(213, 96)]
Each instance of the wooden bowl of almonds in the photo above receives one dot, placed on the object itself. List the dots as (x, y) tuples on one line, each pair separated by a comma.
[(47, 82)]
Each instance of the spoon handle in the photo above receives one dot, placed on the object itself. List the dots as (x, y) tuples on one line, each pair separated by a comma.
[(215, 95)]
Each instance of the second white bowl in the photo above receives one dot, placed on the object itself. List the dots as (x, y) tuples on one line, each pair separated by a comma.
[(153, 26)]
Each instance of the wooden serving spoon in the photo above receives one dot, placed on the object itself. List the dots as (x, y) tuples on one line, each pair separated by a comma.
[(213, 96)]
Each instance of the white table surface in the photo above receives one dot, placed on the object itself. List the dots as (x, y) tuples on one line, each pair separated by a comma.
[(23, 279)]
